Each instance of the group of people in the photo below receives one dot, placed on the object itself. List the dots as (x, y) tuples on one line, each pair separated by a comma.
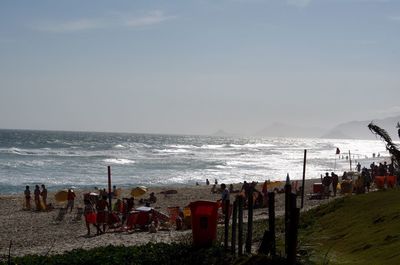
[(259, 198), (99, 213), (95, 212), (327, 181), (383, 169), (40, 198)]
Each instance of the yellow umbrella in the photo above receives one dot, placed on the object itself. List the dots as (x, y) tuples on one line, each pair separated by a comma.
[(138, 191), (61, 196)]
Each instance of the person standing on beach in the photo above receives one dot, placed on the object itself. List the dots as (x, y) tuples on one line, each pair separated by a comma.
[(90, 217), (335, 181), (36, 194), (27, 194), (44, 196), (224, 198), (102, 213), (71, 199), (326, 182), (358, 167)]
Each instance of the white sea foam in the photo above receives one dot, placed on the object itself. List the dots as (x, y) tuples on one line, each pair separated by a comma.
[(172, 151), (169, 160), (119, 161)]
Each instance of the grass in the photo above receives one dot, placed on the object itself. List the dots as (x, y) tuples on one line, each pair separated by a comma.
[(362, 229)]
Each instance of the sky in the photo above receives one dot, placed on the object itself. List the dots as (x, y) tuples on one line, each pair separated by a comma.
[(194, 67)]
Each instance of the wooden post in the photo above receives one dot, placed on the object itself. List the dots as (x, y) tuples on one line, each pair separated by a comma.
[(226, 222), (293, 224), (234, 224), (288, 191), (271, 221), (249, 237), (240, 227), (303, 184), (109, 187)]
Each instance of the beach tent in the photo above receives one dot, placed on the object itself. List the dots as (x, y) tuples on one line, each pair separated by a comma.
[(138, 191)]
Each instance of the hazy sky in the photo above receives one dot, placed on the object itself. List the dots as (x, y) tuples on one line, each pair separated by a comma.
[(197, 66)]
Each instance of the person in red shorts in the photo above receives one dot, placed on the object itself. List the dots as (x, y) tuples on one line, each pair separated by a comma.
[(90, 217), (102, 212)]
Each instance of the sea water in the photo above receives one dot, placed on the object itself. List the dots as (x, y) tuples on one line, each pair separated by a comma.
[(80, 159)]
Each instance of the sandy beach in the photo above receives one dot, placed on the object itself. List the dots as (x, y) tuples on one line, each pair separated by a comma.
[(33, 232)]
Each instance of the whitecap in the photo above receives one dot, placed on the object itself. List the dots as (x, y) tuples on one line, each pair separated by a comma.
[(119, 161), (172, 151), (213, 146)]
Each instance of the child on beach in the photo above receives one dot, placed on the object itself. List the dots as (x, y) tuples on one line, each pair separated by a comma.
[(27, 194)]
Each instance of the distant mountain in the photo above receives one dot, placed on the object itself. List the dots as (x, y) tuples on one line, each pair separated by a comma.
[(278, 129), (359, 129)]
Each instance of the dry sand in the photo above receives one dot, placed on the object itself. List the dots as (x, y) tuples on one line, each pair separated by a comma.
[(34, 232)]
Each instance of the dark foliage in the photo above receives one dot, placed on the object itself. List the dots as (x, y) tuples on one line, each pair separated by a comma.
[(390, 146), (150, 253)]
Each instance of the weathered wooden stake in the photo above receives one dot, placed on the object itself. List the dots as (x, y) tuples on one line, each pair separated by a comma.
[(234, 224), (288, 191), (226, 222), (271, 221), (240, 227), (109, 187), (293, 224), (303, 185), (249, 237)]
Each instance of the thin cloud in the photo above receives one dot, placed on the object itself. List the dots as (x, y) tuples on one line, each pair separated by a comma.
[(70, 26), (154, 17), (115, 21)]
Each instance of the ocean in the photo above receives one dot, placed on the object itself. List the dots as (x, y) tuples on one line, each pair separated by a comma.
[(80, 159)]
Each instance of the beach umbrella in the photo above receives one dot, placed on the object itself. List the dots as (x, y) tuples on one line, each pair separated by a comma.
[(138, 191), (61, 196)]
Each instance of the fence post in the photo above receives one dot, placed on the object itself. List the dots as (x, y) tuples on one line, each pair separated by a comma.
[(293, 225), (249, 237), (240, 227), (226, 222), (271, 221), (234, 223), (288, 191)]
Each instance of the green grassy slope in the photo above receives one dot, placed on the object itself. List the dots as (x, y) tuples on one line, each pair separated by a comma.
[(362, 229)]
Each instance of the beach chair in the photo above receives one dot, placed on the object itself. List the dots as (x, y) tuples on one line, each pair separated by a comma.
[(131, 220), (380, 182), (173, 214), (391, 181), (61, 214), (113, 222), (143, 220)]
